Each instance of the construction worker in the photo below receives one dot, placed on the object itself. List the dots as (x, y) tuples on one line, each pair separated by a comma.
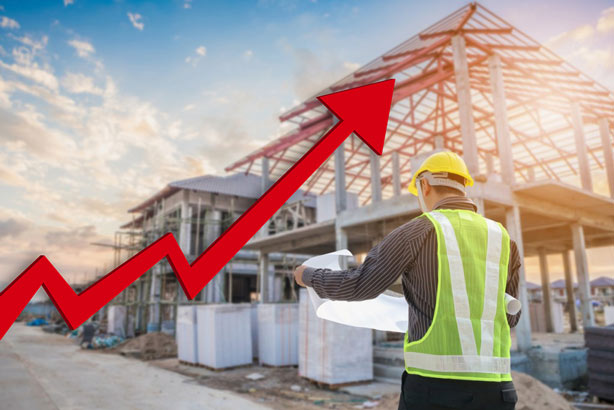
[(456, 267)]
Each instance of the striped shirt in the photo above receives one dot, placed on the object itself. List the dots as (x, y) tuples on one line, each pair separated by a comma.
[(410, 251)]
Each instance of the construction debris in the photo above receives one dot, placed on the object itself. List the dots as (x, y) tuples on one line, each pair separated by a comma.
[(150, 346)]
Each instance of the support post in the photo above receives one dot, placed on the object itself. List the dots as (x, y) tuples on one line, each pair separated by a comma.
[(546, 294), (341, 242), (185, 233), (465, 110), (608, 155), (376, 178), (504, 143), (571, 299), (396, 174), (523, 328), (579, 246), (213, 229), (340, 194), (264, 185), (263, 267), (585, 170)]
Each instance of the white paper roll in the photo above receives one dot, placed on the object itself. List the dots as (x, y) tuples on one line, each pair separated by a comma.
[(512, 305)]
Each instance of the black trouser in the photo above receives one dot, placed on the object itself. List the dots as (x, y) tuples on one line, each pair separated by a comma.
[(426, 393)]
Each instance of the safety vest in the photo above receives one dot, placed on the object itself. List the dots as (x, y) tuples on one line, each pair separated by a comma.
[(469, 337)]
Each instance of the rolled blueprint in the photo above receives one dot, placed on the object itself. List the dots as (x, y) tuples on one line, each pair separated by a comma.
[(382, 313), (512, 305)]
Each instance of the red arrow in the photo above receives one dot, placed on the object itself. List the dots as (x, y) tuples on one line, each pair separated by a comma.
[(363, 110)]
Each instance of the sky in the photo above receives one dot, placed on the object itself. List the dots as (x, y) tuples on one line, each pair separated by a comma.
[(104, 103)]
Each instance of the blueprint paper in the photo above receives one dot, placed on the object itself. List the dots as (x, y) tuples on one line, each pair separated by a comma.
[(385, 312), (382, 313)]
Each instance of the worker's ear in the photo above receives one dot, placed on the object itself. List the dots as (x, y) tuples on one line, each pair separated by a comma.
[(426, 187)]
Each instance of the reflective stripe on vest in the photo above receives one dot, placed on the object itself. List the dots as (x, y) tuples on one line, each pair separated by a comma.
[(471, 361)]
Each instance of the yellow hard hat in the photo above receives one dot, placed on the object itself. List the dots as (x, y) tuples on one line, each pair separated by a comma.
[(444, 161)]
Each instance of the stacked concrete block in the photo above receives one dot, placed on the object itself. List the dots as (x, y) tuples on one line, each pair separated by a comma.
[(331, 353), (187, 340), (224, 335), (278, 334)]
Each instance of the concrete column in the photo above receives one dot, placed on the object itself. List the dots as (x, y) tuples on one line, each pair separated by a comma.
[(341, 242), (608, 155), (213, 229), (546, 294), (185, 227), (465, 110), (153, 324), (340, 194), (396, 174), (439, 142), (579, 246), (504, 143), (523, 328), (583, 165), (571, 299), (263, 276), (376, 178), (265, 183)]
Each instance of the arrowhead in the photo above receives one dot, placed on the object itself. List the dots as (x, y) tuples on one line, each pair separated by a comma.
[(366, 109)]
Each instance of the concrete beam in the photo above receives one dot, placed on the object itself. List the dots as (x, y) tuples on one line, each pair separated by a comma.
[(608, 155), (571, 299), (577, 233), (465, 111), (504, 143), (546, 294), (585, 170), (523, 328), (376, 178), (566, 213), (396, 174)]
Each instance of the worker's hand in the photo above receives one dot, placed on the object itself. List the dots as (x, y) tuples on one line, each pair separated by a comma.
[(298, 275)]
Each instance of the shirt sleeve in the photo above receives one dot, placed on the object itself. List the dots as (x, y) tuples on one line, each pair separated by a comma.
[(513, 276), (380, 269)]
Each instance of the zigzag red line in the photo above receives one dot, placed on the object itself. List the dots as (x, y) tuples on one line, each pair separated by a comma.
[(371, 102)]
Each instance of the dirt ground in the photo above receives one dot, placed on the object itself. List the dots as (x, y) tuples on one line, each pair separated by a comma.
[(280, 388)]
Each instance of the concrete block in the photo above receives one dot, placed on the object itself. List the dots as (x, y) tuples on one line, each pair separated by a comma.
[(224, 335), (332, 353), (187, 340), (278, 334)]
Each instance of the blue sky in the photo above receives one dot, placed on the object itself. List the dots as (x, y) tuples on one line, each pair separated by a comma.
[(102, 103)]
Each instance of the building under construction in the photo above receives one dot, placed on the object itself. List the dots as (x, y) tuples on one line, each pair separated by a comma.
[(533, 130)]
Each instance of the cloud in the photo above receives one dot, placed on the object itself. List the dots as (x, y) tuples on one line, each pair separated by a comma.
[(68, 2), (248, 54), (137, 21), (581, 33), (34, 73), (12, 227), (606, 21), (79, 84), (84, 49), (187, 4), (188, 107), (8, 23), (199, 53)]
